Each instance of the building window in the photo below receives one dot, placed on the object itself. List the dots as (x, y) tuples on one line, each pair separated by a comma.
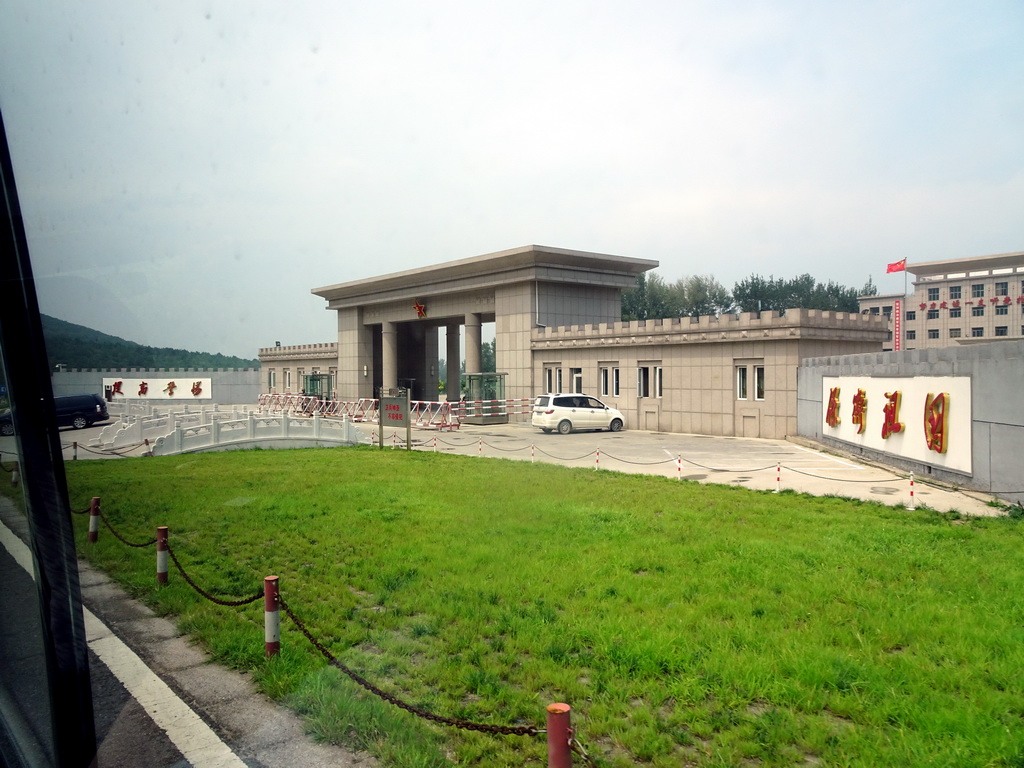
[(954, 333), (271, 380), (954, 312), (887, 311), (648, 381), (576, 376), (933, 314), (741, 382), (977, 332), (911, 335), (933, 294), (954, 292), (553, 379), (1002, 289), (911, 314), (609, 382), (759, 382), (1003, 309), (933, 333), (978, 291), (287, 380), (1001, 330), (978, 311)]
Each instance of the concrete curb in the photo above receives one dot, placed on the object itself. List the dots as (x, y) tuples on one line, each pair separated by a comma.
[(261, 733)]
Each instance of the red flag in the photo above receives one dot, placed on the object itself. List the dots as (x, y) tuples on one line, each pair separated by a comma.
[(897, 266)]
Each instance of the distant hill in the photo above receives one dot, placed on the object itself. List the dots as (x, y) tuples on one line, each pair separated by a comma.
[(79, 347)]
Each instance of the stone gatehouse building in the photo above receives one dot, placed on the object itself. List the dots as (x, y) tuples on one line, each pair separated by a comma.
[(556, 315)]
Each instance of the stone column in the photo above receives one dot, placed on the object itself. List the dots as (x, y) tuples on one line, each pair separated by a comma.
[(389, 355), (454, 361), (472, 343)]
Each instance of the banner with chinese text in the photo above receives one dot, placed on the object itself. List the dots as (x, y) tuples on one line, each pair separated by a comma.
[(164, 388), (923, 418)]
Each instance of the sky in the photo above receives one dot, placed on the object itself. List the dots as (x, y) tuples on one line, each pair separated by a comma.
[(190, 170)]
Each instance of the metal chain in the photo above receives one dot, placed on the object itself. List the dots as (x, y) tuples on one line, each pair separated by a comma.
[(122, 538), (505, 730), (577, 747), (207, 595)]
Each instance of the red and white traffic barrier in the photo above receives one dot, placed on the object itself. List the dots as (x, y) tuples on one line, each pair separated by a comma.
[(94, 520), (161, 554), (271, 616)]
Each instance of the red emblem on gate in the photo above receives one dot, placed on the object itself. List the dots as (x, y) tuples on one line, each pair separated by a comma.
[(421, 309)]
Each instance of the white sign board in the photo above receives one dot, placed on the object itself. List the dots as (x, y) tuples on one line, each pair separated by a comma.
[(163, 388), (922, 417)]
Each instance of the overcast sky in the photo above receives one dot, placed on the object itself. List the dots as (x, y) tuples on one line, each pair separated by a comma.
[(190, 170)]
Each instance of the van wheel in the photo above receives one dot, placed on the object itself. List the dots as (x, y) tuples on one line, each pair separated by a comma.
[(564, 427), (79, 422), (8, 429), (616, 425)]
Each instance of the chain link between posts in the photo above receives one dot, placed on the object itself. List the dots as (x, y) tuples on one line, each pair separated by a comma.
[(504, 730)]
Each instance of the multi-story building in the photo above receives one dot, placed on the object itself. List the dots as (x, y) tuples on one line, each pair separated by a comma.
[(957, 301)]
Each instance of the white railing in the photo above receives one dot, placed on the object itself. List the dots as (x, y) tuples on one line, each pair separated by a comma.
[(255, 429), (149, 424)]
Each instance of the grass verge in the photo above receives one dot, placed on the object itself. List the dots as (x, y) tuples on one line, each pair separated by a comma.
[(686, 624)]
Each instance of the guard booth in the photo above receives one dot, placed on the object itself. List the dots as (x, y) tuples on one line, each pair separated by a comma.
[(319, 385), (485, 401)]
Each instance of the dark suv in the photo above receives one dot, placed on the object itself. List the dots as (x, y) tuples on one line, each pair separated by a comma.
[(80, 411)]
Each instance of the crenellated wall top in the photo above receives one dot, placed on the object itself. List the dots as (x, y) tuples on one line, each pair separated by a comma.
[(299, 351), (711, 328)]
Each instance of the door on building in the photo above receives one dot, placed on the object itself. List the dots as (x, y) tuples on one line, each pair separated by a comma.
[(319, 385)]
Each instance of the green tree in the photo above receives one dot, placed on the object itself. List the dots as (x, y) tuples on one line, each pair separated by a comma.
[(756, 294)]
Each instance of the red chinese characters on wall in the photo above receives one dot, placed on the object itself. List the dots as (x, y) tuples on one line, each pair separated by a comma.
[(832, 414), (169, 389), (891, 423), (197, 388), (860, 410), (116, 389), (143, 389), (936, 421)]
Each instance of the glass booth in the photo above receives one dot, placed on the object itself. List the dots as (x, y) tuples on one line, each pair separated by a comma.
[(484, 398)]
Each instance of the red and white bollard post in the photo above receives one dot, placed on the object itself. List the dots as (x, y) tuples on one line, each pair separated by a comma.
[(15, 475), (913, 502), (778, 477), (74, 450), (94, 520), (161, 554), (559, 736), (679, 467), (597, 459), (271, 616), (533, 453)]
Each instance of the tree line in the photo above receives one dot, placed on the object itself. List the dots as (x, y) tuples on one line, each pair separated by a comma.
[(698, 295), (76, 346)]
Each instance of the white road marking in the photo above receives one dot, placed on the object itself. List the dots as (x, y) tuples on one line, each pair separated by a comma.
[(196, 741)]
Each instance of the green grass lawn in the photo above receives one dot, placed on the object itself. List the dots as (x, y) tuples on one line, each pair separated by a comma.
[(686, 624)]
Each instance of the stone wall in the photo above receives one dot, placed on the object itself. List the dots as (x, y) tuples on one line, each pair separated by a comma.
[(997, 408)]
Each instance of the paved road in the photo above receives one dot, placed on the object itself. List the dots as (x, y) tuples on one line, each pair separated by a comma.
[(764, 465), (759, 464)]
